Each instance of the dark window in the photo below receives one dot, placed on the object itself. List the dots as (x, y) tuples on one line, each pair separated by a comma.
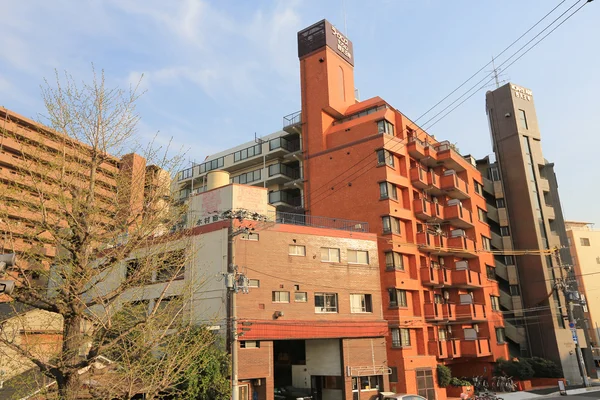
[(509, 260), (281, 297), (385, 126), (385, 157), (170, 266), (494, 174), (394, 260), (504, 231), (500, 203), (584, 241), (388, 191), (491, 272), (482, 215), (326, 303), (394, 374), (210, 165), (249, 344), (514, 290), (247, 153), (500, 336), (390, 224), (495, 303), (400, 337), (425, 385), (248, 177), (478, 187), (397, 298)]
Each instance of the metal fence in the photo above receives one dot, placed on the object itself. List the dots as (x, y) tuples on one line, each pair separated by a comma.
[(319, 222)]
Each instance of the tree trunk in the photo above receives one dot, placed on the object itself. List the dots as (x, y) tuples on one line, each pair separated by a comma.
[(68, 386)]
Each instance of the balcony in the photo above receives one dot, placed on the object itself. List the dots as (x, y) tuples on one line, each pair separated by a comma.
[(447, 154), (430, 276), (449, 312), (466, 278), (470, 312), (292, 123), (544, 185), (284, 146), (439, 348), (454, 186), (418, 177), (549, 212), (282, 173), (437, 211), (416, 148), (431, 242), (422, 209), (454, 350), (462, 246), (476, 348), (430, 158), (458, 216), (285, 198), (433, 312)]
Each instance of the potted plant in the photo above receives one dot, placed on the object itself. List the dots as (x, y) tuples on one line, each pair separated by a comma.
[(459, 388)]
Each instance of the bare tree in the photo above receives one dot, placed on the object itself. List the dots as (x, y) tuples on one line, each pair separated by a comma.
[(93, 228)]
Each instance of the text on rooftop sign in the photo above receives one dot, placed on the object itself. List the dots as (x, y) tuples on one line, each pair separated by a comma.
[(522, 93), (343, 44)]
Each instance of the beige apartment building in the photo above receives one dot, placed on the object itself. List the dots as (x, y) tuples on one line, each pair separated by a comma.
[(584, 243)]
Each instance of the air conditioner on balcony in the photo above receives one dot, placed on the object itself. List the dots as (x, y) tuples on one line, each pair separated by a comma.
[(457, 233), (461, 265), (454, 202), (449, 172)]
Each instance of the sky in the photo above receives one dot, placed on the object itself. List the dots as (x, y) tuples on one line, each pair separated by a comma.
[(215, 73)]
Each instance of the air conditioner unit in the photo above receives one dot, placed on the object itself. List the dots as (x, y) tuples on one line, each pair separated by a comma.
[(449, 172), (457, 233), (454, 202)]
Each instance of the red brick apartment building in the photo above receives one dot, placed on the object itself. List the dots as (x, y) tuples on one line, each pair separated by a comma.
[(312, 317), (424, 201)]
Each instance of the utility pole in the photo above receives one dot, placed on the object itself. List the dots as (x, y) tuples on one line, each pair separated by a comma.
[(563, 284)]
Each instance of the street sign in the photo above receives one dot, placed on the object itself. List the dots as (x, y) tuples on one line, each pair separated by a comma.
[(574, 333), (571, 325)]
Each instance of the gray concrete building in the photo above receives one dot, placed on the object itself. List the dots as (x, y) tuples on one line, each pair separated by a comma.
[(524, 186)]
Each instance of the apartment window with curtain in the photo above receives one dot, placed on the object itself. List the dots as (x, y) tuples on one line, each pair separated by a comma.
[(400, 337), (390, 224), (491, 272), (500, 336), (500, 203), (394, 261), (584, 241), (384, 126), (326, 303), (504, 231), (384, 157), (281, 297), (361, 303), (495, 301), (388, 190), (358, 257), (297, 250), (397, 298), (329, 254), (486, 242), (482, 215)]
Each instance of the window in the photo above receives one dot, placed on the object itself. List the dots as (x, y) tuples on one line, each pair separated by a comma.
[(384, 157), (509, 260), (584, 241), (361, 303), (491, 272), (300, 297), (425, 386), (478, 187), (372, 382), (390, 224), (247, 153), (281, 297), (500, 336), (326, 303), (442, 334), (185, 174), (243, 392), (250, 236), (247, 177), (170, 266), (394, 260), (329, 254), (210, 165), (249, 344), (388, 191), (504, 231), (400, 337), (522, 119), (397, 298), (394, 374), (385, 126), (253, 283), (482, 215), (358, 257), (486, 242), (494, 174), (297, 250), (500, 203), (495, 303), (514, 290)]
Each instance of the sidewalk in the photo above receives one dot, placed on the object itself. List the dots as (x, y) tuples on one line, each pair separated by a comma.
[(548, 392)]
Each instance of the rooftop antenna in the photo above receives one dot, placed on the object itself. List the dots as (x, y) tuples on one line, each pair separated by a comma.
[(264, 175), (345, 24), (497, 75)]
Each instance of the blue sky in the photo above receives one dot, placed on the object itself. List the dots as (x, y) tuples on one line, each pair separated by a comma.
[(216, 72)]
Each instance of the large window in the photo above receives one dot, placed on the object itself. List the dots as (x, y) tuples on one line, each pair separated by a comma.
[(281, 297), (248, 177), (522, 119), (394, 260), (397, 297), (297, 250), (361, 303), (185, 174), (326, 303), (495, 303), (385, 157), (486, 242), (482, 215), (500, 335), (247, 153), (504, 231), (425, 385), (210, 165), (500, 203), (478, 187), (388, 191), (385, 126), (330, 254), (584, 241), (300, 297), (494, 174), (491, 272), (400, 337), (358, 257), (390, 224)]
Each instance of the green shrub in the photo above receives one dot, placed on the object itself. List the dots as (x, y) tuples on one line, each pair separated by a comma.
[(543, 368), (518, 369), (444, 375), (459, 382)]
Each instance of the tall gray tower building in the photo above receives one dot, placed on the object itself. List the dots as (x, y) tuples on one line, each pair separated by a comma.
[(530, 198)]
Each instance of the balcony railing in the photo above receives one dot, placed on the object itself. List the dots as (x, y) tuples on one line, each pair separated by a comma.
[(283, 169), (476, 348), (284, 197), (318, 222), (283, 143), (292, 119)]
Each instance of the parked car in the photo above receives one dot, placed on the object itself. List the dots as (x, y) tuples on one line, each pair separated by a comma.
[(292, 393), (399, 396)]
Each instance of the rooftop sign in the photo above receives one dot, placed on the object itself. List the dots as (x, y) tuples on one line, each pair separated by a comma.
[(521, 93), (324, 34)]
